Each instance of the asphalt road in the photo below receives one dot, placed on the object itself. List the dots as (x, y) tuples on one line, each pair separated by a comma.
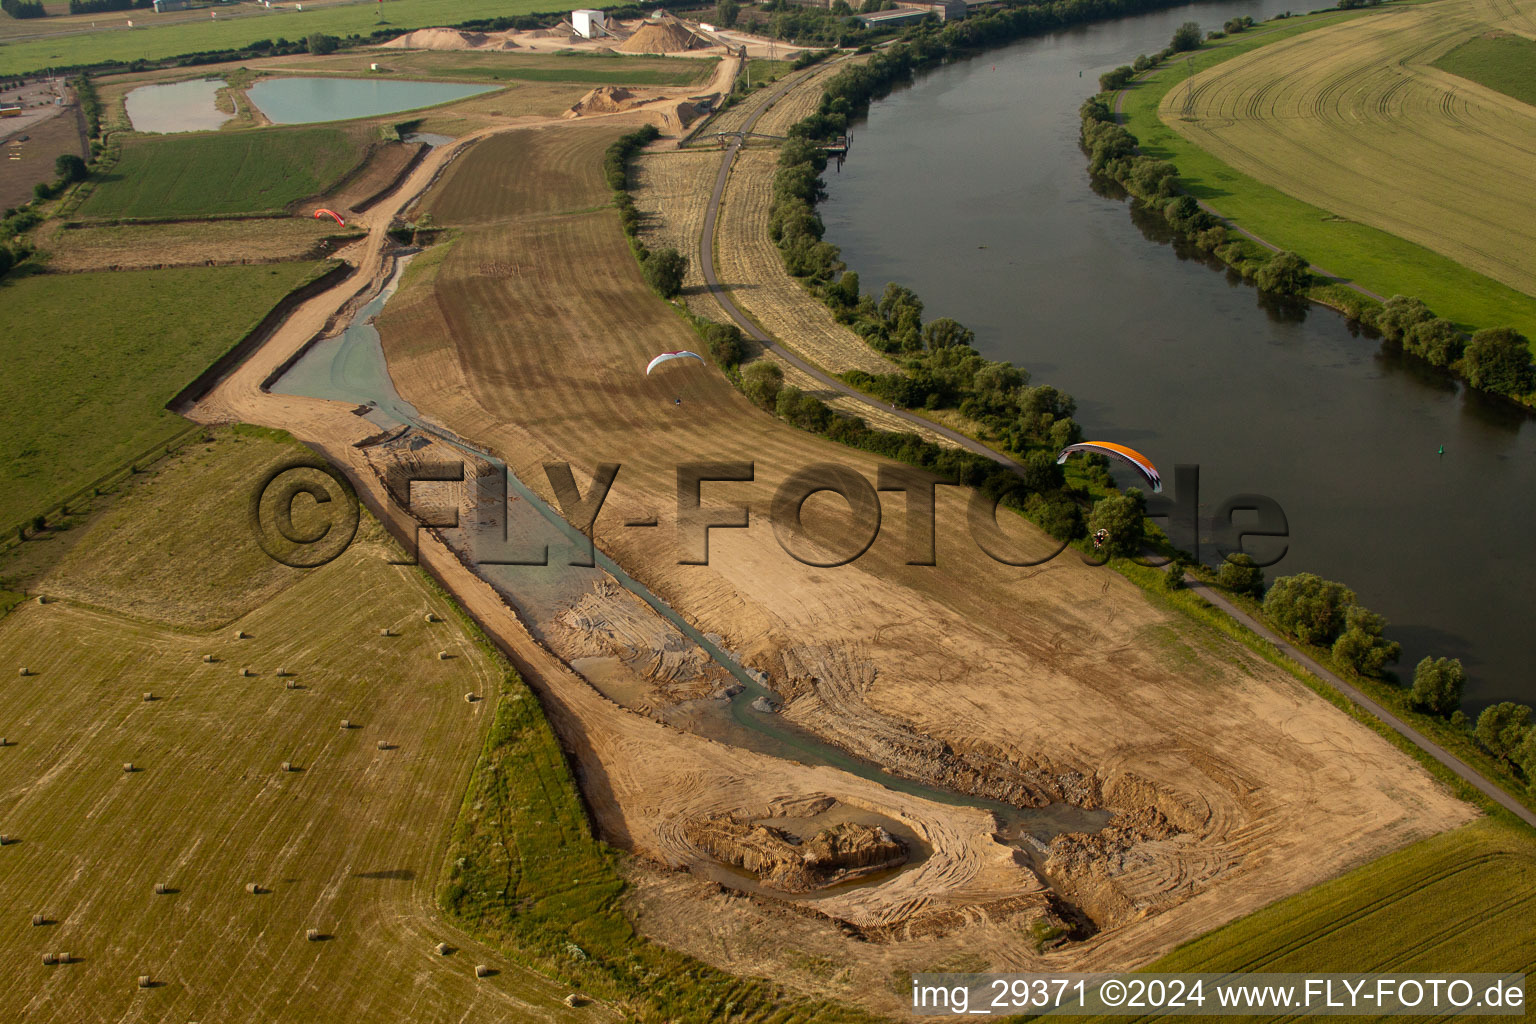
[(707, 256)]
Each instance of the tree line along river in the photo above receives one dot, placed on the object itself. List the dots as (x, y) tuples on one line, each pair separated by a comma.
[(970, 188)]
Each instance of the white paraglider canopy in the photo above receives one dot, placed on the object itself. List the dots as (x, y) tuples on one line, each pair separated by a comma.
[(667, 357)]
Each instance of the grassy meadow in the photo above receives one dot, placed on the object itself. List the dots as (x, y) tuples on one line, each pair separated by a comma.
[(1503, 62), (220, 174), (1464, 900), (91, 360), (152, 38), (1155, 109)]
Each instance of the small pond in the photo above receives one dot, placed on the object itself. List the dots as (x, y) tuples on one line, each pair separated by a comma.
[(176, 106), (311, 100)]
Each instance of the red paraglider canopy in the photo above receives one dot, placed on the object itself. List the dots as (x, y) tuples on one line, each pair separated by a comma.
[(330, 213)]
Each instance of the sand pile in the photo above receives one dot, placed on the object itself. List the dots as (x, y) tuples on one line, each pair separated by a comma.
[(605, 99), (450, 39), (666, 36)]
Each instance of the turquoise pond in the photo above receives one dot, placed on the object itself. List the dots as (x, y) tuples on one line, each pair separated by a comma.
[(312, 100)]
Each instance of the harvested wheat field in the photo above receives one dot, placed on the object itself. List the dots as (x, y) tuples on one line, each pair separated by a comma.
[(1354, 118), (249, 817), (1231, 783), (193, 243), (750, 266), (671, 190)]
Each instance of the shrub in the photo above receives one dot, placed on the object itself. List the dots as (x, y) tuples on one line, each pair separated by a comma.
[(1438, 685), (1499, 360), (664, 270), (1285, 273), (762, 382), (1185, 37), (1502, 728), (1361, 646), (320, 43), (1239, 575), (70, 168), (1308, 607), (1119, 78), (1120, 516), (725, 345)]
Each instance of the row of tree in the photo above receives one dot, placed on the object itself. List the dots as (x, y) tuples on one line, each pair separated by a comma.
[(106, 6), (663, 269), (1322, 613), (23, 8), (1496, 360)]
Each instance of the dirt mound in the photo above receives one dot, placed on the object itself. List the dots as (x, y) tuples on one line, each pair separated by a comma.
[(450, 39), (666, 36), (605, 99), (843, 851)]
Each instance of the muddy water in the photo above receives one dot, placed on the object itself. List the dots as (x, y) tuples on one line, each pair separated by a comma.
[(176, 106), (352, 368), (970, 188)]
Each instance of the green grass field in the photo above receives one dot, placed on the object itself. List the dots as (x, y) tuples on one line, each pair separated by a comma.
[(1464, 900), (1504, 63), (1371, 258), (91, 360), (350, 844), (208, 174), (150, 41)]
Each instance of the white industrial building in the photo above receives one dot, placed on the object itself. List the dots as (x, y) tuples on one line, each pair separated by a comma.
[(589, 24)]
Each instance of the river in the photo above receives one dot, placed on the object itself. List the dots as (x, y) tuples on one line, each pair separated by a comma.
[(970, 188)]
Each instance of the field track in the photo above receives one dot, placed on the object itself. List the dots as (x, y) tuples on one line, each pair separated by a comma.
[(1353, 118)]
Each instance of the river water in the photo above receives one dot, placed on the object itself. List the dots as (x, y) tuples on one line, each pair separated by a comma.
[(970, 188)]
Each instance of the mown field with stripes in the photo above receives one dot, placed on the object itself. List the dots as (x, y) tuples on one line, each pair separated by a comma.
[(1387, 170), (349, 843)]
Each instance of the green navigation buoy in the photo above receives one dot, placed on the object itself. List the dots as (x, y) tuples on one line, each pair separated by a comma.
[(1442, 450)]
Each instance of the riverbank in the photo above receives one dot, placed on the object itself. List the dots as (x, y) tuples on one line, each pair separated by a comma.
[(1374, 262)]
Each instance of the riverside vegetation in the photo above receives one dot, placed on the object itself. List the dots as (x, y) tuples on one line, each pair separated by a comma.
[(1494, 359)]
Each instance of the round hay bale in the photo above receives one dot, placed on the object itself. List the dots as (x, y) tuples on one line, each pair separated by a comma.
[(283, 673), (25, 671), (38, 920), (442, 949), (5, 839), (145, 981), (148, 696), (469, 698), (429, 617), (241, 634), (65, 958), (312, 935), (346, 723), (482, 971), (386, 631), (41, 599), (290, 684), (244, 672), (50, 958), (253, 889), (442, 655), (382, 744), (4, 742), (287, 766), (575, 999), (161, 888), (128, 768), (209, 659)]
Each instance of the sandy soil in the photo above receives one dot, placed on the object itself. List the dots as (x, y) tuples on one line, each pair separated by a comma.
[(1056, 682)]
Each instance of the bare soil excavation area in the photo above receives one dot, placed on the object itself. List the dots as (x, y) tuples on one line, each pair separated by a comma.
[(1061, 682)]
